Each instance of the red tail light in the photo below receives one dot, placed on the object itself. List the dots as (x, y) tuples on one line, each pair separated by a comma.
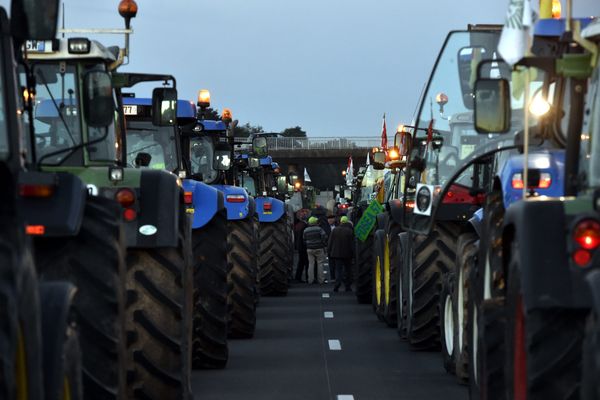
[(460, 194), (125, 197), (517, 181), (188, 197), (236, 198), (545, 180), (587, 234), (582, 257), (35, 230), (267, 206), (129, 214), (36, 190)]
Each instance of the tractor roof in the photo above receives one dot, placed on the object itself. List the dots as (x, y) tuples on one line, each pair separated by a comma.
[(556, 27), (58, 49)]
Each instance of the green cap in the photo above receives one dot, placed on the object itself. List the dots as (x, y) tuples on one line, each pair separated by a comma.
[(313, 221), (344, 220)]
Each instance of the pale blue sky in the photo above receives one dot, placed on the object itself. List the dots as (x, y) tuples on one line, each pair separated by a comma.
[(330, 66)]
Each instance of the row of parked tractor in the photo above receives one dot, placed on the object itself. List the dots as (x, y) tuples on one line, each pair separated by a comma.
[(129, 239), (488, 246)]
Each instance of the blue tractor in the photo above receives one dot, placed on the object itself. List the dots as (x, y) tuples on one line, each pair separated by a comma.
[(207, 148), (159, 147)]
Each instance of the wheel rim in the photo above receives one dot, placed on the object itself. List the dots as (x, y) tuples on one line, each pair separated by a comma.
[(475, 346), (520, 356), (460, 309), (386, 271), (378, 281), (21, 367), (449, 325)]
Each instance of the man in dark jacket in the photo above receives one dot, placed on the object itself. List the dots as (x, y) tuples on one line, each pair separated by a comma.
[(340, 246), (301, 248), (316, 241)]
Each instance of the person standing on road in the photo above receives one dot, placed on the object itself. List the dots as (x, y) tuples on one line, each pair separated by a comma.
[(331, 222), (301, 248), (339, 247), (315, 240)]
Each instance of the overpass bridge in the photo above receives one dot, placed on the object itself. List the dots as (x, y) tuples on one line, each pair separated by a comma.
[(323, 157)]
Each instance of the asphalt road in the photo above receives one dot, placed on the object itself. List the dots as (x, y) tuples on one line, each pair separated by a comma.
[(291, 358)]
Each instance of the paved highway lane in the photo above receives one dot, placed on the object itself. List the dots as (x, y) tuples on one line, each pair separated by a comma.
[(293, 356)]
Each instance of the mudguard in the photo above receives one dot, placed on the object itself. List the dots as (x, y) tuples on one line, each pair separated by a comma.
[(396, 211), (59, 214), (157, 224), (206, 202), (236, 210), (539, 226), (277, 209), (476, 220), (550, 161), (55, 298)]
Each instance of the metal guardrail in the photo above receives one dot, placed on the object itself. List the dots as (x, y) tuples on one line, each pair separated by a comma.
[(322, 143)]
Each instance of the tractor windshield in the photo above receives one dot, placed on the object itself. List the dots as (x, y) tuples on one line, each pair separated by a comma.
[(202, 150), (248, 183), (151, 146), (58, 118), (590, 139)]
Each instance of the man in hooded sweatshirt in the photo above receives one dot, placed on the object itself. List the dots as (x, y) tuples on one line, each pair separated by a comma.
[(340, 248), (315, 239)]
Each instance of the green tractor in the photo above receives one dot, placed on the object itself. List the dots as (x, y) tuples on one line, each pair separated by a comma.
[(131, 258)]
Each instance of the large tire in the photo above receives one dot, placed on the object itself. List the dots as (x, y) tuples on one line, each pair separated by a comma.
[(20, 326), (364, 263), (241, 255), (209, 245), (94, 262), (543, 345), (492, 280), (379, 248), (447, 322), (434, 255), (159, 293), (273, 260), (487, 352), (590, 389), (402, 284), (390, 293), (465, 260)]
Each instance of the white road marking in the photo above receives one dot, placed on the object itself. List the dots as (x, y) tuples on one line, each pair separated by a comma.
[(325, 295), (328, 314), (334, 344), (345, 397)]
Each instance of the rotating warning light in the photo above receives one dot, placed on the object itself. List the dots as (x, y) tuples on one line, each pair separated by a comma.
[(203, 98), (441, 99), (556, 9), (539, 106), (394, 154), (128, 9), (227, 116), (400, 128)]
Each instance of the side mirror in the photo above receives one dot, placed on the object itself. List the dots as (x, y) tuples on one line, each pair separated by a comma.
[(282, 186), (492, 106), (164, 106), (403, 141), (379, 160), (260, 147), (98, 104), (34, 19), (222, 161)]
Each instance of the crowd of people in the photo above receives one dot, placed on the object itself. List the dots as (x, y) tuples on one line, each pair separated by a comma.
[(320, 238)]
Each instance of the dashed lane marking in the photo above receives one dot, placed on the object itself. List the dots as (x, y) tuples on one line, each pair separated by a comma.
[(334, 344), (345, 397), (328, 314), (325, 295)]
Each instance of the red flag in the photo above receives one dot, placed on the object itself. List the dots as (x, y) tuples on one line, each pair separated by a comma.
[(384, 135), (430, 131)]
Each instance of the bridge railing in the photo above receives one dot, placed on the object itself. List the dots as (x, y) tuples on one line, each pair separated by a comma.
[(322, 143)]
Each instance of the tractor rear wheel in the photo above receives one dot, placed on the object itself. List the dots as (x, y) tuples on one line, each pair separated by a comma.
[(241, 254), (543, 345), (364, 266), (381, 257), (159, 290), (590, 390), (209, 245), (273, 269), (390, 293), (402, 283), (20, 327), (435, 254), (448, 322), (94, 262)]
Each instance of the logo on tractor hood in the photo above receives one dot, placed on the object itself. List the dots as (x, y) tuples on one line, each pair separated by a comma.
[(148, 230)]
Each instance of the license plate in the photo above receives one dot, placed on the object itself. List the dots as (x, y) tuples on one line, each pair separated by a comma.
[(38, 46), (130, 110)]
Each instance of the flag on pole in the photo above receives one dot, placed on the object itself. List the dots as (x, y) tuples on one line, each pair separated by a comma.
[(515, 40), (384, 135), (430, 131), (306, 176), (349, 172)]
